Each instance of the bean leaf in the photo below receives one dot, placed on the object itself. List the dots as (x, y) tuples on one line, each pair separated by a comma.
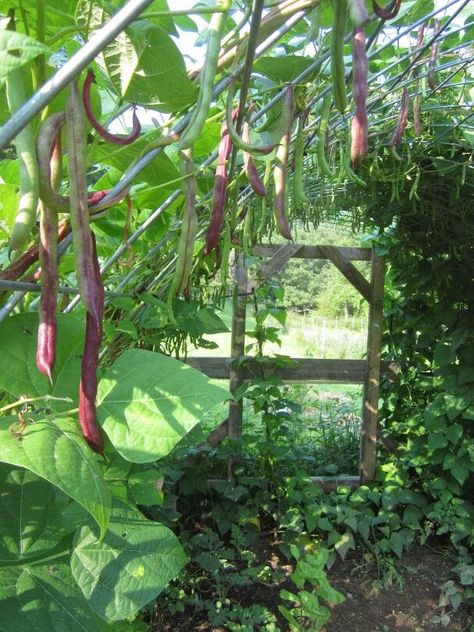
[(147, 402), (130, 567), (57, 452)]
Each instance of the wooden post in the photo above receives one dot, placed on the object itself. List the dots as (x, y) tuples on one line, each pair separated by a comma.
[(237, 349), (372, 381)]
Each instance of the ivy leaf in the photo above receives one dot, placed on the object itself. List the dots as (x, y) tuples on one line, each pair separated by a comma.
[(130, 567), (454, 433), (44, 598), (460, 472), (345, 542), (147, 402), (456, 404), (437, 440), (19, 375), (57, 452)]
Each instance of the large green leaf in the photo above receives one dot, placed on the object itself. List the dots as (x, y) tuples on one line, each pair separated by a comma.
[(16, 50), (40, 598), (159, 172), (57, 452), (146, 67), (29, 514), (18, 373), (130, 567), (147, 402), (282, 69)]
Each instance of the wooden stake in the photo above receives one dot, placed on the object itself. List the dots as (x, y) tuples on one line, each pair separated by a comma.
[(237, 350), (372, 382)]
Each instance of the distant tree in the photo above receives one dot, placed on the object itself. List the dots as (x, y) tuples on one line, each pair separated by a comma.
[(315, 284)]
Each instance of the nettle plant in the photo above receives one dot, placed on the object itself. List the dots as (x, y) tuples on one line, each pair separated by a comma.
[(74, 545)]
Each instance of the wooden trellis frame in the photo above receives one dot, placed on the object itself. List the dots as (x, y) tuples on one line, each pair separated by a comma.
[(311, 370)]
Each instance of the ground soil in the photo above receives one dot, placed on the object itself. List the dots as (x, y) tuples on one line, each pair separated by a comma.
[(402, 596), (407, 604)]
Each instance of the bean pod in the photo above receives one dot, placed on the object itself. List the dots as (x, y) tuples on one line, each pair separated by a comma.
[(433, 58), (48, 134), (298, 188), (389, 12), (198, 118), (221, 180), (90, 363), (249, 165), (79, 209), (238, 141), (321, 143), (338, 73), (359, 130), (189, 227), (280, 171), (48, 257), (399, 130), (105, 134), (416, 71), (28, 168), (358, 12)]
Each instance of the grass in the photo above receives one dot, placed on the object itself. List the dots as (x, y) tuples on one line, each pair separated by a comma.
[(303, 336), (324, 437)]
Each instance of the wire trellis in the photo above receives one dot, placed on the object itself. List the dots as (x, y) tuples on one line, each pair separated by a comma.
[(323, 190)]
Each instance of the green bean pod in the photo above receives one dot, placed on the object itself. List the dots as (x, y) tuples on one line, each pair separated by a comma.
[(79, 210), (417, 127), (320, 145), (198, 118), (28, 167), (280, 171), (314, 25), (338, 73), (433, 58), (189, 227), (249, 166), (237, 140), (350, 174), (298, 188)]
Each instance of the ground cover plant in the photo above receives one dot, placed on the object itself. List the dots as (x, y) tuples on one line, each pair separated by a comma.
[(134, 173)]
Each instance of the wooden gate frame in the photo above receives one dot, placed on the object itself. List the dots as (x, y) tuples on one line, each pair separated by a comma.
[(310, 370)]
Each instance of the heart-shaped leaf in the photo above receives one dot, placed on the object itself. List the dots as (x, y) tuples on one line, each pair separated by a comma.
[(146, 66), (44, 598), (32, 523), (16, 50), (56, 451), (18, 372), (147, 402), (130, 567)]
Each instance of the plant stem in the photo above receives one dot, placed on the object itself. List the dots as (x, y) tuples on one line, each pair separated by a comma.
[(29, 400)]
